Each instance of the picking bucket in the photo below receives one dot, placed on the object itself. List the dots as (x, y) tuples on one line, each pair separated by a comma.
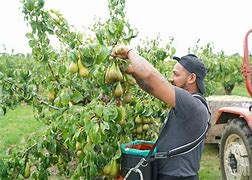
[(132, 153)]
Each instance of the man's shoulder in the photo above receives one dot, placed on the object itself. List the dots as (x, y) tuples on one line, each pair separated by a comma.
[(186, 101)]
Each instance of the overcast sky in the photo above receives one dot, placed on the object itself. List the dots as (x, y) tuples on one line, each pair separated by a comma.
[(223, 22)]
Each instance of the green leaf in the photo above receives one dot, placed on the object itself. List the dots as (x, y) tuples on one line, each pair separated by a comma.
[(77, 96), (111, 27), (107, 149), (52, 147), (103, 55), (65, 98), (110, 113), (99, 110), (73, 55), (3, 170), (62, 69), (148, 112), (95, 134), (93, 170), (88, 55), (99, 36), (29, 35)]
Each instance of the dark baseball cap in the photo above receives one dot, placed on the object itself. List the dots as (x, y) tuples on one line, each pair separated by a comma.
[(195, 65)]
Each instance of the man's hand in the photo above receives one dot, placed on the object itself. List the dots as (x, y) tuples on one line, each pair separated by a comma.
[(120, 51)]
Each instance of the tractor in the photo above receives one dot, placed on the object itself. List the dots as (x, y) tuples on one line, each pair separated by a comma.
[(232, 129)]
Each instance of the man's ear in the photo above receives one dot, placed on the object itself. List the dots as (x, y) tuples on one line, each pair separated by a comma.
[(192, 78)]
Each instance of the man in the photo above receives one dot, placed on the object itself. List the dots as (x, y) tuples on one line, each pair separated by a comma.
[(188, 117)]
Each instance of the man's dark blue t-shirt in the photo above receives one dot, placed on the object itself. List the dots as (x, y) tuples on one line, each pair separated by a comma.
[(185, 123)]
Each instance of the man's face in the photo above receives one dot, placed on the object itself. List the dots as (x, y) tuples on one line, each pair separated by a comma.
[(180, 76)]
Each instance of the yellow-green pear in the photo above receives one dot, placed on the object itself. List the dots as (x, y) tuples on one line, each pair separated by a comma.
[(83, 71), (114, 169), (118, 90), (73, 67), (27, 171), (107, 169), (119, 76)]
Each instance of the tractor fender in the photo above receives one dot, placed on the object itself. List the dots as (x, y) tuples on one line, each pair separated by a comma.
[(226, 113)]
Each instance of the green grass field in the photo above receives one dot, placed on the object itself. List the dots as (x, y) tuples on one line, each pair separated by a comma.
[(210, 164), (239, 90), (16, 126)]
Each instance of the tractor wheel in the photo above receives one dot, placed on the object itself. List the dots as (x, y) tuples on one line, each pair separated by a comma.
[(236, 151)]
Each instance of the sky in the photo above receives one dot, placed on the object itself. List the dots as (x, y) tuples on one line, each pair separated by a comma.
[(221, 22)]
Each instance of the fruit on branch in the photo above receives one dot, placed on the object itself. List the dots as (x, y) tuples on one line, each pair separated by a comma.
[(83, 71), (114, 169), (118, 90), (78, 146), (27, 171), (107, 169), (51, 96), (73, 67), (119, 76), (130, 79)]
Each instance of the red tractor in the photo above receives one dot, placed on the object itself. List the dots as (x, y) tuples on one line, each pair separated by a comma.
[(232, 129)]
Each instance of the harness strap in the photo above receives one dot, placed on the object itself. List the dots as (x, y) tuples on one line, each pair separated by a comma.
[(184, 148), (136, 169)]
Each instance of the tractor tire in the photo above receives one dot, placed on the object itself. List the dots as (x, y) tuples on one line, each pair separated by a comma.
[(236, 151)]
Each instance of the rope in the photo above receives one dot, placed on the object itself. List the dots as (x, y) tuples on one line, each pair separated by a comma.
[(136, 169)]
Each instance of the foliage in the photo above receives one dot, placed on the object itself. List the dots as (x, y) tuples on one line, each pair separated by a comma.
[(88, 115), (221, 68), (83, 94)]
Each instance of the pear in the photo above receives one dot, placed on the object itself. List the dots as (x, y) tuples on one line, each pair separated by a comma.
[(79, 153), (107, 79), (127, 98), (27, 172), (146, 127), (146, 120), (138, 120), (122, 120), (60, 160), (107, 169), (118, 90), (119, 50), (119, 76), (73, 67), (78, 146), (114, 169), (130, 79), (83, 71), (139, 129), (112, 74), (51, 96), (123, 112)]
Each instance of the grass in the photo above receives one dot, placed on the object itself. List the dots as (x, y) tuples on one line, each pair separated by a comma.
[(210, 163), (239, 90), (16, 126)]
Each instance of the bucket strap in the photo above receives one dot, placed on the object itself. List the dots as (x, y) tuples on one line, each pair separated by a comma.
[(184, 148), (136, 169)]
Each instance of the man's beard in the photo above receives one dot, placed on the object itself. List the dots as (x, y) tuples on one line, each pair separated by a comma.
[(183, 86)]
